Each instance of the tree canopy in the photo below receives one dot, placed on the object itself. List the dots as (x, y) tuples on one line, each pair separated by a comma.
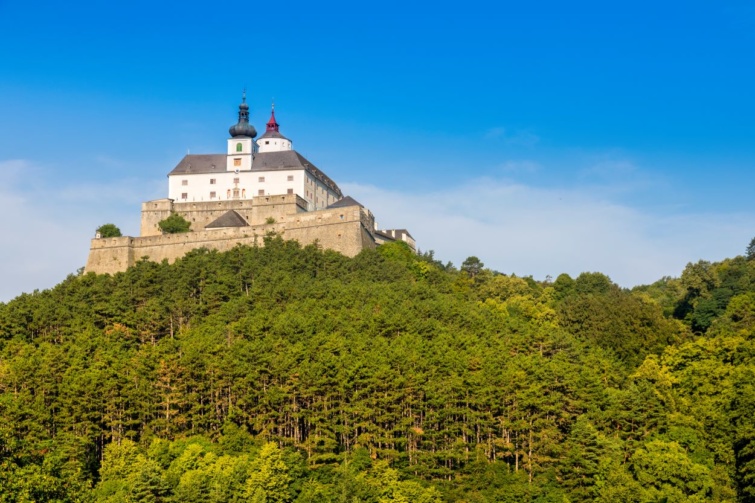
[(109, 231), (290, 374), (174, 224)]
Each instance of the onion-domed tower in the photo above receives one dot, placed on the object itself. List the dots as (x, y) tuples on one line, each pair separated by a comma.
[(241, 145)]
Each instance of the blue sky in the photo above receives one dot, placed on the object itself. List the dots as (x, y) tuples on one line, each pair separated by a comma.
[(543, 137)]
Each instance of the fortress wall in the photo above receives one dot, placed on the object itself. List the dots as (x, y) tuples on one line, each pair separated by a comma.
[(340, 229), (280, 208), (174, 246), (255, 211), (110, 255), (152, 213), (342, 236)]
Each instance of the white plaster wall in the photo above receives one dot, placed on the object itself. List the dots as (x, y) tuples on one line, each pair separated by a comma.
[(198, 186), (273, 144), (277, 182), (245, 156), (317, 194)]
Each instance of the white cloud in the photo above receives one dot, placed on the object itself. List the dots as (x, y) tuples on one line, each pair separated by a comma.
[(526, 230), (46, 230), (524, 166), (512, 227)]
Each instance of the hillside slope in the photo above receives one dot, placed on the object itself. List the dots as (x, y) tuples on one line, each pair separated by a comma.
[(289, 374)]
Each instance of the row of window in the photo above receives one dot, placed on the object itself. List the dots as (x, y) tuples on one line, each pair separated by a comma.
[(235, 193), (213, 181)]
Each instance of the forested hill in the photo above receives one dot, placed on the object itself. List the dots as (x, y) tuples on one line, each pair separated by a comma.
[(281, 374)]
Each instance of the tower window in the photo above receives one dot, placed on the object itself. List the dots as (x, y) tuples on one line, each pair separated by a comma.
[(184, 195), (235, 180), (261, 179), (239, 147), (212, 195), (290, 178), (212, 181), (237, 162), (261, 192), (267, 142), (290, 191), (184, 182)]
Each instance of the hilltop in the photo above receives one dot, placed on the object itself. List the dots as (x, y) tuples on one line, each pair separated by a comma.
[(289, 373)]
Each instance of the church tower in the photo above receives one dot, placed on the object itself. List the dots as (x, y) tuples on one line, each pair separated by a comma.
[(241, 145), (272, 140)]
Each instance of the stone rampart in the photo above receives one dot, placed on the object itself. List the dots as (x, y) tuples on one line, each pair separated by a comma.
[(339, 229), (255, 211)]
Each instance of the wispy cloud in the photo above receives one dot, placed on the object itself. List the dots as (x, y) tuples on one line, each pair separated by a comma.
[(527, 230), (513, 227), (523, 166), (517, 137), (47, 229), (610, 168)]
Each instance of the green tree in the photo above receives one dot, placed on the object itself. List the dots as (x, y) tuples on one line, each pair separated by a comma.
[(667, 473), (174, 224), (269, 477), (472, 266), (109, 231), (750, 251)]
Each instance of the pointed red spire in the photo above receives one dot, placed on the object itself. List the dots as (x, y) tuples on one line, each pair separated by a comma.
[(272, 124)]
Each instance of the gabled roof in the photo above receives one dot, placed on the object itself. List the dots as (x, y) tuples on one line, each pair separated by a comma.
[(345, 202), (284, 160), (228, 219), (194, 164)]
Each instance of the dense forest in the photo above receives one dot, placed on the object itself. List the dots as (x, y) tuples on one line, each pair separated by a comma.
[(290, 374)]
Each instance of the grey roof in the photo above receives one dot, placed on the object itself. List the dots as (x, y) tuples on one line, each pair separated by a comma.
[(200, 163), (273, 134), (284, 160), (345, 202), (228, 219)]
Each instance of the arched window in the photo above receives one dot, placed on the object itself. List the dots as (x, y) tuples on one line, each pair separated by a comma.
[(239, 147)]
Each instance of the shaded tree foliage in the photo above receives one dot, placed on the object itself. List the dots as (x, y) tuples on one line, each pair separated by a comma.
[(109, 231), (282, 373), (174, 224)]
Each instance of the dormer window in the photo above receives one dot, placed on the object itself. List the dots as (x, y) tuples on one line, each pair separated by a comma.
[(239, 147)]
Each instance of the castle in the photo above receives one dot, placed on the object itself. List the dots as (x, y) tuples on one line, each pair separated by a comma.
[(256, 187)]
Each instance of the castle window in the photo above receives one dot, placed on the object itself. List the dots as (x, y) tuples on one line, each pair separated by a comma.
[(235, 180), (184, 195), (212, 181), (261, 179), (184, 182), (290, 191), (212, 195), (237, 162), (239, 147), (261, 192), (290, 178), (267, 142)]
